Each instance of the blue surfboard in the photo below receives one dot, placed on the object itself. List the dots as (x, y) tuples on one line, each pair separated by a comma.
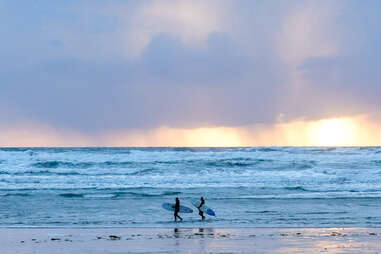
[(204, 208), (171, 207)]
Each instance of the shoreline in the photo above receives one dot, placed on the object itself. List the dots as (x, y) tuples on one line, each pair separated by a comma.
[(189, 240), (182, 227)]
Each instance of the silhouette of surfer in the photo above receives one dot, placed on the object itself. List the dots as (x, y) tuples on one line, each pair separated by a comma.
[(201, 213), (177, 209)]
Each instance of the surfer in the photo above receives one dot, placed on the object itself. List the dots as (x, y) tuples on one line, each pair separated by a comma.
[(177, 209), (201, 213)]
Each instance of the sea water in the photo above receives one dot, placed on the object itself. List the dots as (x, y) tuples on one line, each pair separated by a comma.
[(246, 187)]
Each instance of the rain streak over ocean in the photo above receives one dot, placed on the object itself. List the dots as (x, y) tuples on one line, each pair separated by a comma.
[(246, 187)]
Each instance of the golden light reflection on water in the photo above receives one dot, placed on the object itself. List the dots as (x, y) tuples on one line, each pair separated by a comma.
[(277, 240), (329, 240)]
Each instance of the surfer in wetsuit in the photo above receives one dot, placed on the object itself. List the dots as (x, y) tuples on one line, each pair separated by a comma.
[(177, 209), (201, 213)]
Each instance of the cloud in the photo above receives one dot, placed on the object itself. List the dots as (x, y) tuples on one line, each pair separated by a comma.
[(101, 67), (307, 31), (190, 21), (124, 29)]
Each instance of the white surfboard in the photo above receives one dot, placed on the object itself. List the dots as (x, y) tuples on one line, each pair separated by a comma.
[(204, 208)]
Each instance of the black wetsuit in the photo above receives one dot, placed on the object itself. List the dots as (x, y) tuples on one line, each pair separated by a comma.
[(177, 210), (201, 213)]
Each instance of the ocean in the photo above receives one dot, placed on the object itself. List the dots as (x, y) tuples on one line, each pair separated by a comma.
[(246, 187)]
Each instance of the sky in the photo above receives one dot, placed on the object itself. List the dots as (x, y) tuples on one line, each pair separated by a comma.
[(190, 73)]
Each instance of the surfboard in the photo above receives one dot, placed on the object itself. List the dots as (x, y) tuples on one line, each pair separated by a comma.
[(204, 208), (171, 207)]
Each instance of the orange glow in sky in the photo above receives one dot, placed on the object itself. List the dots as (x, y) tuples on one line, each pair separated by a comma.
[(345, 131), (341, 131), (334, 132)]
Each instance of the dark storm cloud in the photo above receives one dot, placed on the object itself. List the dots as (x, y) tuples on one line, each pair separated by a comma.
[(67, 68), (349, 83), (169, 85)]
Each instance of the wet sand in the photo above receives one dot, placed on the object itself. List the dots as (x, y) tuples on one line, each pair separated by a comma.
[(207, 240)]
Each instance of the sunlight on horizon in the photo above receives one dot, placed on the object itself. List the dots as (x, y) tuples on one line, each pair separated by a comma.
[(340, 131), (333, 132)]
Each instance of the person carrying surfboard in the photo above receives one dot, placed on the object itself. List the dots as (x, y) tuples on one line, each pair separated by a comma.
[(177, 209), (201, 213)]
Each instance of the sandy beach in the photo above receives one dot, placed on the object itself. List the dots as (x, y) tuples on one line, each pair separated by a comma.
[(207, 240)]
